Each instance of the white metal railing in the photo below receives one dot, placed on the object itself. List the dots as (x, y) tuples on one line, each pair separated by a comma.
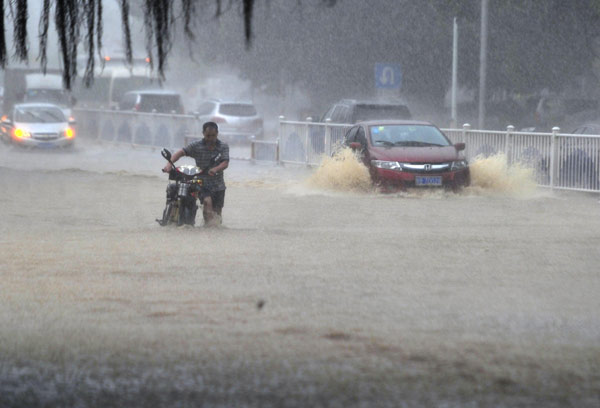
[(563, 161)]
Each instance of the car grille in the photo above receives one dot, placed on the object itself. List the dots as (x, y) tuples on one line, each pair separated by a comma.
[(45, 136), (425, 167)]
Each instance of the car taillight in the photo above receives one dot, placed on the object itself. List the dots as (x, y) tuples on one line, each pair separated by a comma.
[(218, 119)]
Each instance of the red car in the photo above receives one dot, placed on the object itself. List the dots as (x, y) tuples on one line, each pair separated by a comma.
[(401, 153)]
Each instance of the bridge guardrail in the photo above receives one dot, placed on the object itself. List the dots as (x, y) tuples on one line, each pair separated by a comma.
[(563, 161)]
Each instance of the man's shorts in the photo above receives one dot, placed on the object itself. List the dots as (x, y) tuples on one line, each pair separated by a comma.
[(218, 197)]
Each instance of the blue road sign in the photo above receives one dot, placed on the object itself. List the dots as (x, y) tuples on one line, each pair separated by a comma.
[(388, 76)]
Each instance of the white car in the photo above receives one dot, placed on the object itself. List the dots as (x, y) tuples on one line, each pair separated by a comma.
[(238, 122), (41, 125)]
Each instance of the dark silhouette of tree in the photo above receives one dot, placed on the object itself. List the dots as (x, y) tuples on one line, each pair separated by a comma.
[(72, 16)]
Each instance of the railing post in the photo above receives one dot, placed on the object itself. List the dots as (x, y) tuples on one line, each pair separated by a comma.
[(252, 152), (280, 137), (277, 158), (466, 128), (508, 144), (306, 145), (555, 131), (328, 148)]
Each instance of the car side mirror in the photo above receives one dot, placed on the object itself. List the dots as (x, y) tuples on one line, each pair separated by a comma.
[(5, 120), (459, 146), (355, 145), (72, 122)]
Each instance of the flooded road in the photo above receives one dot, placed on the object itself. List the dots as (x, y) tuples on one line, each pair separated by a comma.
[(311, 294)]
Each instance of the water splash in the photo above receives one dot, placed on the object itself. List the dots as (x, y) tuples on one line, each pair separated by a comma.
[(343, 172), (493, 174)]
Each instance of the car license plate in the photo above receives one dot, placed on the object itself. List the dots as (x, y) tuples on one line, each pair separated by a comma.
[(46, 145), (428, 180)]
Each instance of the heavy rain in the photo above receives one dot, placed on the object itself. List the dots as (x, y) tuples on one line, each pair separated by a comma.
[(346, 272)]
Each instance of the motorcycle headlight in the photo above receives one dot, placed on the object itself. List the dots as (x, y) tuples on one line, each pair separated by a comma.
[(459, 165), (387, 165)]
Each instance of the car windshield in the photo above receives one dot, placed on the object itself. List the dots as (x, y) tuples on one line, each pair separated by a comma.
[(237, 109), (39, 115), (162, 103), (407, 135), (374, 112), (55, 96)]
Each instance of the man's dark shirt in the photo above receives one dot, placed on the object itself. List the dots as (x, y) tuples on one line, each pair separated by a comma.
[(205, 157)]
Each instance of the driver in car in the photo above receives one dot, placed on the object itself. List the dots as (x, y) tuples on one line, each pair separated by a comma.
[(212, 156)]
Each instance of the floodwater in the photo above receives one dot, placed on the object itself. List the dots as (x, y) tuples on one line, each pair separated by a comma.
[(313, 293)]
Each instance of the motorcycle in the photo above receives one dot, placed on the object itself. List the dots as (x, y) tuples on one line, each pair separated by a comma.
[(182, 193)]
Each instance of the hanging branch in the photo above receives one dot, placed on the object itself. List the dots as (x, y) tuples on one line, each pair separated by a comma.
[(99, 28), (2, 37), (189, 9), (90, 14), (43, 34), (148, 32), (61, 29), (20, 31), (73, 24), (248, 8), (126, 32)]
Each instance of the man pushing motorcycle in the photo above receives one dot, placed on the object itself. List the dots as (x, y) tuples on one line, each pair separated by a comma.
[(212, 156)]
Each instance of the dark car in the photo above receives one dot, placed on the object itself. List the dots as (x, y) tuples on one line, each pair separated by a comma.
[(352, 111), (402, 154), (156, 101)]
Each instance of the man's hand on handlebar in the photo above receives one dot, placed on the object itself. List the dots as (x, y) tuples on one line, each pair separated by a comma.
[(167, 168)]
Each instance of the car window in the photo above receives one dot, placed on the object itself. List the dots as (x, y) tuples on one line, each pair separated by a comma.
[(206, 108), (377, 112), (162, 103), (350, 135), (237, 109), (340, 114), (128, 101), (407, 135), (39, 115), (328, 114), (360, 136), (591, 130)]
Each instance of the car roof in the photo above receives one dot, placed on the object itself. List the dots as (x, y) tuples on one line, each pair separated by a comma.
[(394, 122), (37, 105), (230, 101), (368, 102), (154, 92)]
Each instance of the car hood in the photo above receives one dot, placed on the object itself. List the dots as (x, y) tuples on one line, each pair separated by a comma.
[(425, 154), (42, 127)]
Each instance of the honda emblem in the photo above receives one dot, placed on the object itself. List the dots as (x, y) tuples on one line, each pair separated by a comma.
[(427, 167)]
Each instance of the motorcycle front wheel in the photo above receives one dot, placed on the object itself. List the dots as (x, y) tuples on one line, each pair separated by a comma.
[(168, 214)]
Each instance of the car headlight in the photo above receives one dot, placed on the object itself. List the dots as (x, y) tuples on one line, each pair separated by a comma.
[(21, 133), (387, 165), (69, 133), (459, 165)]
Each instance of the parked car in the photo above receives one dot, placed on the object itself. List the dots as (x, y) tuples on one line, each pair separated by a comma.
[(345, 111), (352, 111), (402, 154), (37, 125), (156, 101), (238, 122)]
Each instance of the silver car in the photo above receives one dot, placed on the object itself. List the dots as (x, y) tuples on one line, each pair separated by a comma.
[(238, 122), (38, 125)]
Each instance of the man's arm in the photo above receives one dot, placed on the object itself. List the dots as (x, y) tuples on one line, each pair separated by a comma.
[(221, 166), (176, 156)]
